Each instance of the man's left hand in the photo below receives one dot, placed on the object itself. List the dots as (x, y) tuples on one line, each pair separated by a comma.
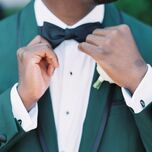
[(115, 50)]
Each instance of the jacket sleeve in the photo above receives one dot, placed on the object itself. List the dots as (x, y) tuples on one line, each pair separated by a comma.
[(144, 125), (142, 35), (10, 129)]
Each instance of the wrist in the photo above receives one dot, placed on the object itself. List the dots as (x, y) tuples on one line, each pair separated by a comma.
[(137, 77), (28, 101)]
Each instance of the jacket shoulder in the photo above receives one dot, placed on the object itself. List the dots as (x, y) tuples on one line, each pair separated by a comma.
[(8, 24), (142, 34), (137, 26), (8, 32)]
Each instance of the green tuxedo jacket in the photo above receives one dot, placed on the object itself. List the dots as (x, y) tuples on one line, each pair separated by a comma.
[(125, 131)]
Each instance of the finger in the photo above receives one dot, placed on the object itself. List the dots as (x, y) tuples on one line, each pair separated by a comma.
[(41, 51), (20, 52), (50, 56), (95, 39), (50, 70), (47, 65), (89, 49), (104, 32), (38, 46), (53, 62), (38, 39), (118, 27), (101, 32)]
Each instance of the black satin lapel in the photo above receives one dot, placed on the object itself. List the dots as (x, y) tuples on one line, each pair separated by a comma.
[(47, 123), (98, 98), (93, 119)]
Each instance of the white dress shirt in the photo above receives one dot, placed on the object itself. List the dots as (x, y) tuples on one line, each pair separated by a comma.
[(70, 85)]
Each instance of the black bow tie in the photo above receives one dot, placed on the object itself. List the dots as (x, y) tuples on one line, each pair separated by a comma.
[(56, 35)]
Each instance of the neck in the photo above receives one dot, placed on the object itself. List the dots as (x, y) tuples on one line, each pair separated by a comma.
[(70, 11)]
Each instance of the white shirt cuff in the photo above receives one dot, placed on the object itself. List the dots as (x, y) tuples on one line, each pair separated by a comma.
[(142, 97), (28, 120)]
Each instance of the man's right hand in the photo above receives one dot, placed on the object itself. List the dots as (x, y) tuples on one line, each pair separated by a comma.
[(36, 64)]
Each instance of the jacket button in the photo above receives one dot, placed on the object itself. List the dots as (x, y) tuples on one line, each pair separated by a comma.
[(3, 138), (142, 103)]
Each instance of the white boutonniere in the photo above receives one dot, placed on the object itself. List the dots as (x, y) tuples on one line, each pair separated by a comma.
[(103, 77)]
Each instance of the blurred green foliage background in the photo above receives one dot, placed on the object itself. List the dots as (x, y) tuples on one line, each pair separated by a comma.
[(141, 9)]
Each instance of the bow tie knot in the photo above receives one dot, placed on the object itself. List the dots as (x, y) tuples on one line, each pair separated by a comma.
[(69, 34), (56, 35)]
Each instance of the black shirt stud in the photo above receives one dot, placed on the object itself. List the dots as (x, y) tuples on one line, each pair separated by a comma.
[(142, 103)]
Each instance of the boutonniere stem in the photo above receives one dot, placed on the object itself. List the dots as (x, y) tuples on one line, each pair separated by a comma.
[(103, 77)]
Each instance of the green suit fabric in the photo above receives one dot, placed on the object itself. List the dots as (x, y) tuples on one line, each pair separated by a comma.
[(125, 131)]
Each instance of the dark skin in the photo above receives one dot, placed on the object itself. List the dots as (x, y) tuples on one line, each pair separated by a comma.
[(77, 8), (38, 58)]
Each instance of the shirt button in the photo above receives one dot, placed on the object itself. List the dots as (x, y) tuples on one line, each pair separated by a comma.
[(71, 73), (67, 113), (142, 103)]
